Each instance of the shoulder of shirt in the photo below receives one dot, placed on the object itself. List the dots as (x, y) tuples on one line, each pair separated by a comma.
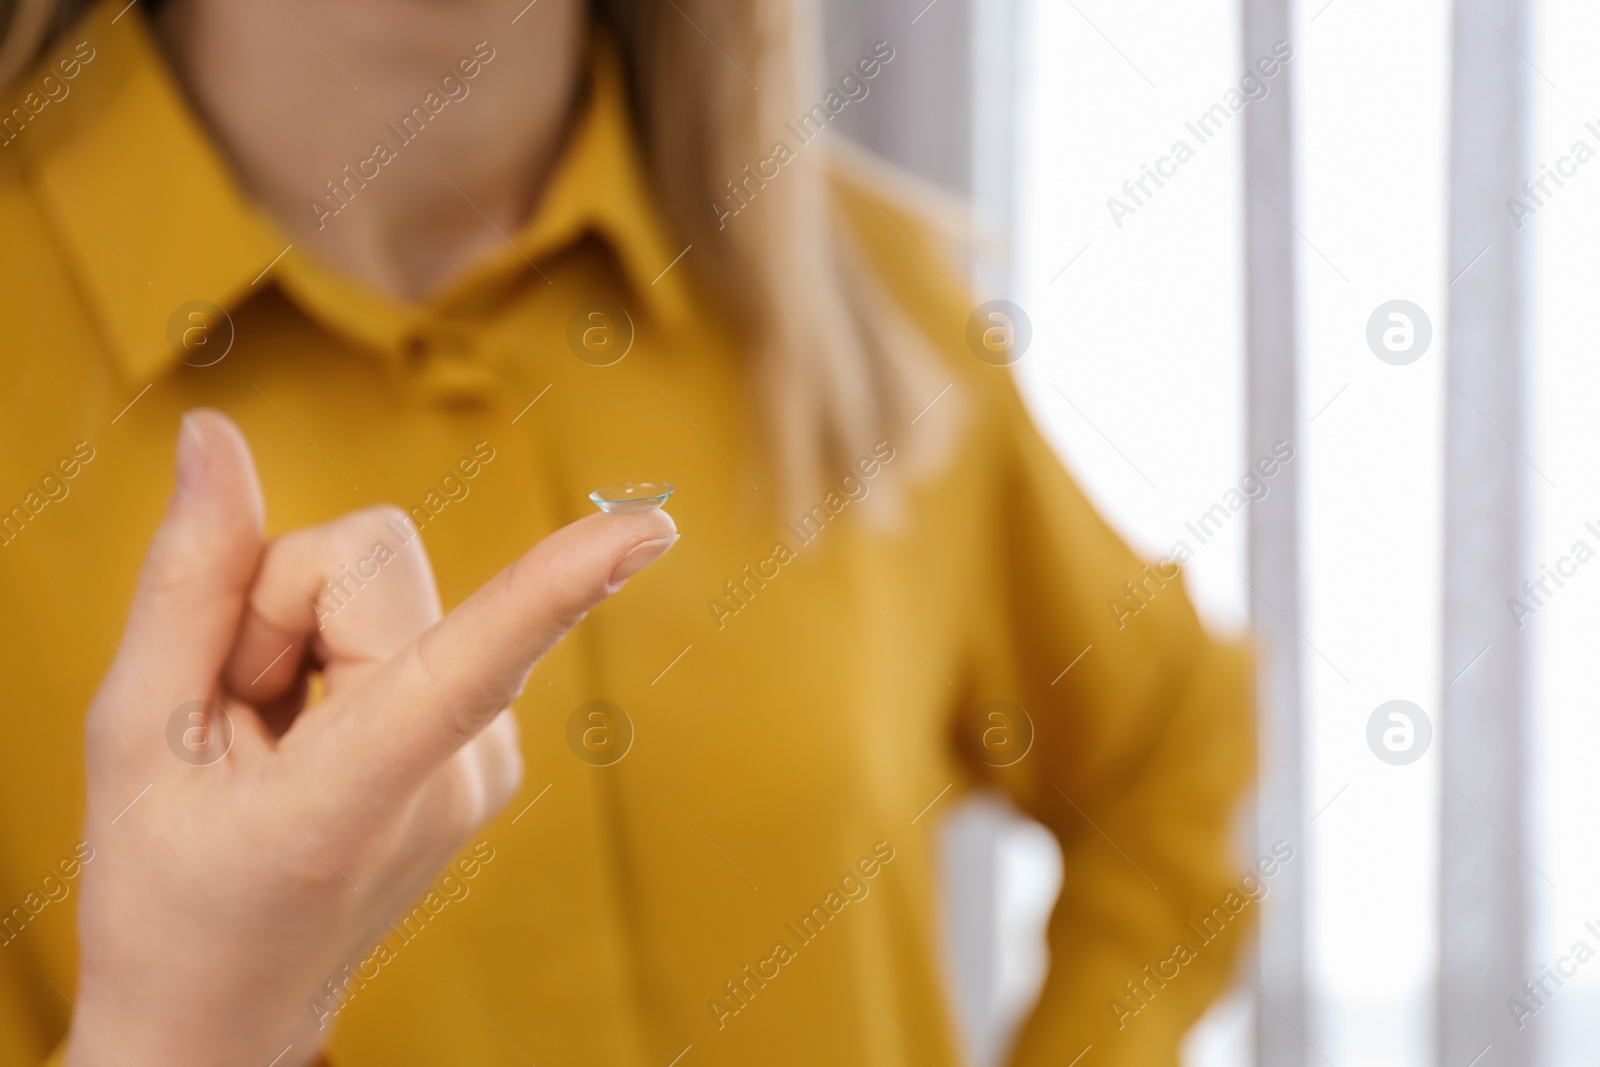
[(918, 239)]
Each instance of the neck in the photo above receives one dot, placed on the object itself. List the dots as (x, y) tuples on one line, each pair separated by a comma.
[(293, 116)]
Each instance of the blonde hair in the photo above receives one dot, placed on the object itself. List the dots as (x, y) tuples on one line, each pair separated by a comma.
[(26, 26), (836, 364)]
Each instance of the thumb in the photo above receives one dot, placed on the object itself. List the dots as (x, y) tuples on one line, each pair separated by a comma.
[(195, 578)]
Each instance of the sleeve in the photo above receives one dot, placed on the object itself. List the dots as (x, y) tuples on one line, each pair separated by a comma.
[(1142, 744)]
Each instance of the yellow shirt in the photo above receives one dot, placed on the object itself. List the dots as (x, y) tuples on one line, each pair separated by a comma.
[(753, 881)]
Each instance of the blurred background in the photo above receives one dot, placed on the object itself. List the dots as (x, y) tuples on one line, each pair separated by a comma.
[(1381, 254)]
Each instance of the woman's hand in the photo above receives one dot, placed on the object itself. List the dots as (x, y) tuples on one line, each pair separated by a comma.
[(224, 895)]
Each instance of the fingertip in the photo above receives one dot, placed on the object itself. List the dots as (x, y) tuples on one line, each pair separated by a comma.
[(622, 545), (191, 459), (666, 517), (623, 532), (199, 564), (214, 460), (638, 558)]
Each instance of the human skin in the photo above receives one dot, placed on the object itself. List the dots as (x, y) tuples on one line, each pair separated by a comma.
[(222, 899), (270, 79)]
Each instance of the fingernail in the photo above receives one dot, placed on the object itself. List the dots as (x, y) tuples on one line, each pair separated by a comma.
[(191, 457), (643, 554)]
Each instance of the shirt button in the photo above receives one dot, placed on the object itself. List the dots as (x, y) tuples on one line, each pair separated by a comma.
[(449, 363), (438, 344)]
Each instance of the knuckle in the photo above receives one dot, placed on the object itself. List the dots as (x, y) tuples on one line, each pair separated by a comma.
[(357, 547), (171, 565), (357, 531), (385, 515), (457, 702), (423, 658)]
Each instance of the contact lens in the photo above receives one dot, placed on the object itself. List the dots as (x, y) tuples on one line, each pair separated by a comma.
[(631, 497)]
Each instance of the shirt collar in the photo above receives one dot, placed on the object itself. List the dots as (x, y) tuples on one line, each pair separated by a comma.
[(151, 220)]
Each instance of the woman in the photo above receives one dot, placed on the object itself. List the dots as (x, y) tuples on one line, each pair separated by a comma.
[(447, 268)]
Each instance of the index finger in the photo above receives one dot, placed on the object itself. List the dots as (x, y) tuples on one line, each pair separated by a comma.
[(447, 684)]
